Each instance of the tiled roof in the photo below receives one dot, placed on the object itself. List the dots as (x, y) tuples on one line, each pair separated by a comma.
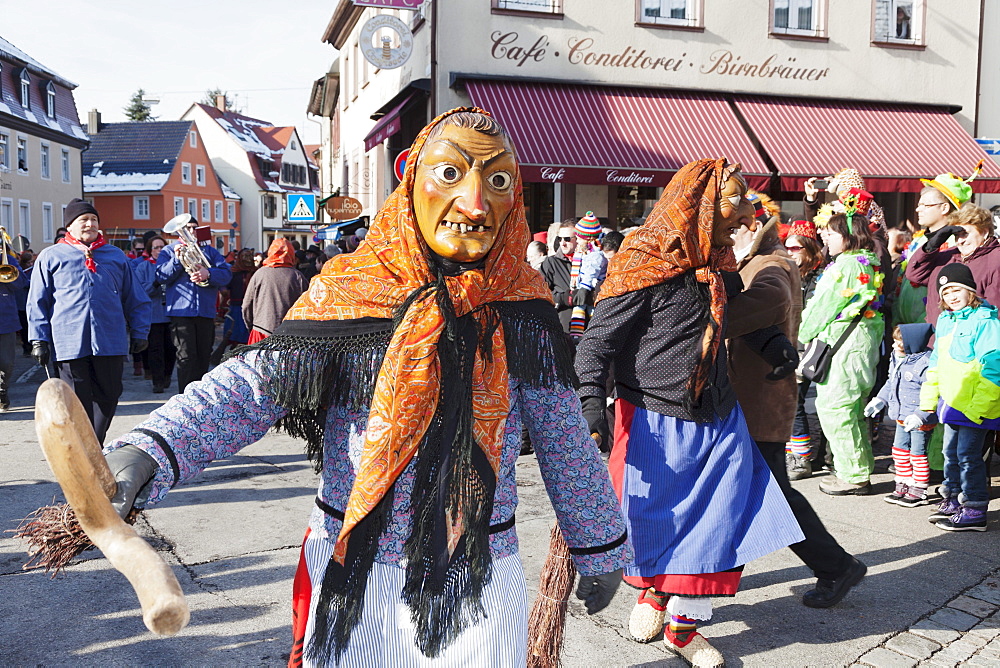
[(133, 156), (12, 62)]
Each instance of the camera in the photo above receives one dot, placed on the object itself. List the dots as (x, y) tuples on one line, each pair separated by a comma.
[(821, 184)]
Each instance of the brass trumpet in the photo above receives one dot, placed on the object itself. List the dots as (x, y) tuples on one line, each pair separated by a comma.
[(188, 252), (8, 272)]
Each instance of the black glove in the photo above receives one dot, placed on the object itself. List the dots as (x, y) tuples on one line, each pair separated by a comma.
[(596, 591), (40, 352), (133, 470), (775, 349), (936, 238), (597, 422), (791, 361), (136, 346), (733, 283)]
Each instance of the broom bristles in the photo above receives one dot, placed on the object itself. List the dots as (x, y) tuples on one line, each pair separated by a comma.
[(548, 616), (54, 537)]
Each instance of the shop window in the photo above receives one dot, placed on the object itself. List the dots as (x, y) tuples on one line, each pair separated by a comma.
[(800, 18), (542, 7), (634, 204), (898, 22), (669, 12), (539, 208)]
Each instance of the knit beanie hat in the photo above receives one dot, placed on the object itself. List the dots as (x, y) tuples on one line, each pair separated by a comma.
[(76, 208), (956, 275), (803, 228), (759, 212), (588, 227)]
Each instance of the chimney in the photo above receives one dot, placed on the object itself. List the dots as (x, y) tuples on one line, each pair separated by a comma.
[(220, 102), (93, 122)]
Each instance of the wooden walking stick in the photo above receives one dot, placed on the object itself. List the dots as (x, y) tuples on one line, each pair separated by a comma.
[(74, 454)]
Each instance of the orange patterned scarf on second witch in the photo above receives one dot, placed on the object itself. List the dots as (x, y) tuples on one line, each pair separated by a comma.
[(677, 238)]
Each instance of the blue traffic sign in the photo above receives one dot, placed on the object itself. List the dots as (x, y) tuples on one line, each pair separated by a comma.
[(301, 208)]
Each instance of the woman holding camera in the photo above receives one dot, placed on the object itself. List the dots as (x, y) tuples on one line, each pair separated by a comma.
[(845, 308)]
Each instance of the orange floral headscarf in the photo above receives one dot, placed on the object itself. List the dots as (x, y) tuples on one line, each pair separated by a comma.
[(677, 238), (390, 264)]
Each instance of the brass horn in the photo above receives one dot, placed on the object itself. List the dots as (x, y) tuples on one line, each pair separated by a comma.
[(8, 272)]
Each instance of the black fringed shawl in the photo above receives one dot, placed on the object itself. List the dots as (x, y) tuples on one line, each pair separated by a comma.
[(318, 364)]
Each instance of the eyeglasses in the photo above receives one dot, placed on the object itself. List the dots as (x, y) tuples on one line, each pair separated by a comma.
[(924, 205), (793, 249), (561, 239)]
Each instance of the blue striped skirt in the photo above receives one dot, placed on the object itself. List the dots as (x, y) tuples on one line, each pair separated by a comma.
[(697, 497)]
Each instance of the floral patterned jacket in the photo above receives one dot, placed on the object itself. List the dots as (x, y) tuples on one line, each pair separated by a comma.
[(228, 410), (851, 284)]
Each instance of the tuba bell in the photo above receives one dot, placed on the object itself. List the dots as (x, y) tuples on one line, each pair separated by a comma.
[(8, 272), (188, 252)]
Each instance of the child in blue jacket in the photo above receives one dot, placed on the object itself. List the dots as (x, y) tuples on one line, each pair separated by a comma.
[(963, 384), (901, 395)]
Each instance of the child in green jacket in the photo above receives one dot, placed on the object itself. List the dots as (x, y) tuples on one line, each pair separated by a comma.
[(963, 385)]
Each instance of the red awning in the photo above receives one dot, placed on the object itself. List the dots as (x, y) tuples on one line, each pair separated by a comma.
[(610, 135), (386, 126), (892, 146)]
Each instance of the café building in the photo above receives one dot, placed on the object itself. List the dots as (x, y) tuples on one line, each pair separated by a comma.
[(606, 100)]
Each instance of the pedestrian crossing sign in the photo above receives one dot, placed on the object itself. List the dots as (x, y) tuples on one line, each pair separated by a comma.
[(301, 208)]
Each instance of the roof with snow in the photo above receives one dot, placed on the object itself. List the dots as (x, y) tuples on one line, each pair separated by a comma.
[(14, 63), (133, 156), (263, 142)]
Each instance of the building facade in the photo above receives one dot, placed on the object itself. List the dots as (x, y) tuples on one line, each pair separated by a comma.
[(604, 106), (263, 164), (40, 145), (140, 175)]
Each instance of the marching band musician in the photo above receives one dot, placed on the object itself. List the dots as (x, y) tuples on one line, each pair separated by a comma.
[(191, 296)]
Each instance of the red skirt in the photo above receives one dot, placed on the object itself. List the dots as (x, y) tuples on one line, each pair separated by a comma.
[(255, 336)]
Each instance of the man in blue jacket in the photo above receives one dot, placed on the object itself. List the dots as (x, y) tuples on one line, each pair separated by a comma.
[(10, 323), (84, 306), (191, 297)]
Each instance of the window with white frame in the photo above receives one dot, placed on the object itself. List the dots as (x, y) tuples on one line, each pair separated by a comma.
[(7, 215), (540, 6), (4, 152), (669, 12), (24, 218), (44, 162), (50, 100), (199, 175), (25, 88), (186, 172), (798, 17), (193, 139), (48, 230), (231, 210), (140, 207), (218, 212), (178, 206), (22, 155), (206, 211), (899, 21), (193, 207), (65, 166)]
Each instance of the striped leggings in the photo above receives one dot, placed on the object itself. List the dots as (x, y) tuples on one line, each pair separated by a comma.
[(384, 636)]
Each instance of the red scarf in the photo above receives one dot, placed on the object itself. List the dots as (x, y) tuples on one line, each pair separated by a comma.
[(88, 251)]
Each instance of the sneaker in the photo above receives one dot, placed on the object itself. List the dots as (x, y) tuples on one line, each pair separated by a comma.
[(966, 519), (898, 495), (646, 620), (834, 486), (798, 467), (915, 496), (945, 509)]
